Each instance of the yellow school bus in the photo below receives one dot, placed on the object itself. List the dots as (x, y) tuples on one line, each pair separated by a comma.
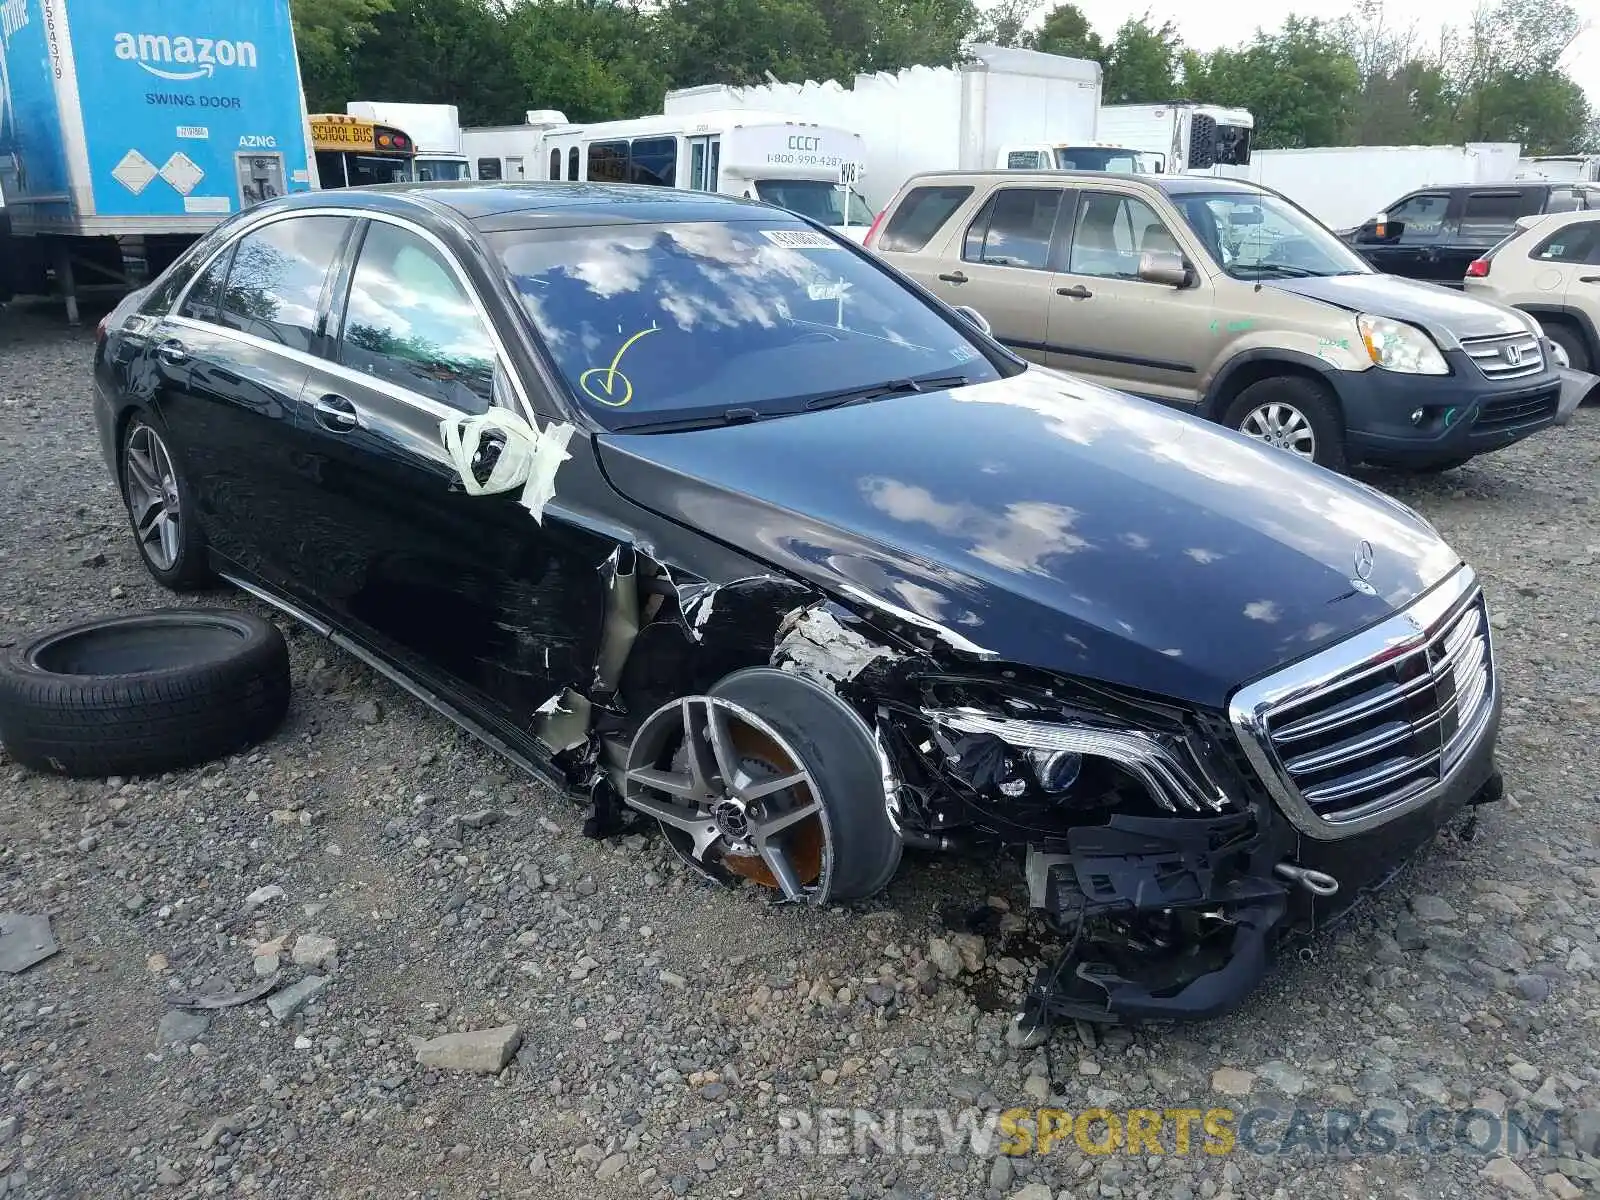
[(352, 152)]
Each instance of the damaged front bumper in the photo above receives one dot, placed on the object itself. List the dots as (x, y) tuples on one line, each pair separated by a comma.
[(1180, 918)]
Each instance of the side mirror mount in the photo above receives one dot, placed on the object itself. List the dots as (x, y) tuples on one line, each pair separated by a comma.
[(976, 318), (1381, 230), (1165, 268), (498, 451)]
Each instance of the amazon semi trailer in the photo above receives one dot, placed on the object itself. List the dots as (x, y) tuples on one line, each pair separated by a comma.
[(128, 129)]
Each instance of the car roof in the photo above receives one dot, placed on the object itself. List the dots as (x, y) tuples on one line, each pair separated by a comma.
[(529, 205), (1171, 184)]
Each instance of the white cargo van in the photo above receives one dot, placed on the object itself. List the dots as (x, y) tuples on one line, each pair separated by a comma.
[(803, 166), (434, 129)]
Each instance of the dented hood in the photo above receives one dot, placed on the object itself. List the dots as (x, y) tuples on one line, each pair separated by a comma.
[(1052, 523), (1446, 313)]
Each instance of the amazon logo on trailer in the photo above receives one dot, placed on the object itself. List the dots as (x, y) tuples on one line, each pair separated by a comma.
[(181, 58)]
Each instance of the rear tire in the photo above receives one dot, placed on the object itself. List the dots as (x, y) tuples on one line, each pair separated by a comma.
[(1266, 402), (153, 483), (143, 694)]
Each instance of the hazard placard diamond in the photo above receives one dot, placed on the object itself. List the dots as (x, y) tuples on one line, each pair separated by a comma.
[(134, 172), (182, 173)]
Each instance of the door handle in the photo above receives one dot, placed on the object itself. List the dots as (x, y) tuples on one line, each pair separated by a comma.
[(1077, 292), (336, 413), (955, 277), (1589, 279), (172, 352)]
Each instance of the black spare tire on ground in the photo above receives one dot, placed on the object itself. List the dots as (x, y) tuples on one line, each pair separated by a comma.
[(143, 694)]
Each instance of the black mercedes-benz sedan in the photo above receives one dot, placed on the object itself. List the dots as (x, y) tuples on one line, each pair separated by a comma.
[(719, 522)]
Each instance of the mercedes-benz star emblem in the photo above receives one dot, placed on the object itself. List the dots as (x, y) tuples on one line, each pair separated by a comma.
[(1364, 560), (1363, 570)]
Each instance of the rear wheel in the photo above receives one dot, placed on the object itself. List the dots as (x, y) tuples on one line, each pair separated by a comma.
[(768, 778), (1291, 414), (161, 510)]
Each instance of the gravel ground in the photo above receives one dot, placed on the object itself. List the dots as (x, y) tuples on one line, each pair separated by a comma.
[(666, 1025)]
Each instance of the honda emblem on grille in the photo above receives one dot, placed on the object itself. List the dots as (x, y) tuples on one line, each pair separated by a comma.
[(1514, 355), (1363, 569)]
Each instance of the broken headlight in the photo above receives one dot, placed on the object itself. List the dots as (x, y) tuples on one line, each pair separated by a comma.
[(987, 763), (1012, 756)]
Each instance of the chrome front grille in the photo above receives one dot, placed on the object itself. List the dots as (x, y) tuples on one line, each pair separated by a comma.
[(1364, 731), (1508, 356)]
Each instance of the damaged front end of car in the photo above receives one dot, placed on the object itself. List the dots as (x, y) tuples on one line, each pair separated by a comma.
[(1174, 849)]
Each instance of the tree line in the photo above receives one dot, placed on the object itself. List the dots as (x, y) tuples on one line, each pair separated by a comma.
[(1359, 80)]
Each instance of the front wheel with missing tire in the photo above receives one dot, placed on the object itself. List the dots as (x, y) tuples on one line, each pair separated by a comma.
[(1293, 414), (770, 778)]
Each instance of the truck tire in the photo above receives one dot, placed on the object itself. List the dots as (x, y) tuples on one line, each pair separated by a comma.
[(143, 694), (1299, 406)]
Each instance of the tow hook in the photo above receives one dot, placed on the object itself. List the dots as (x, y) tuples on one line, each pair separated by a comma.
[(1317, 883)]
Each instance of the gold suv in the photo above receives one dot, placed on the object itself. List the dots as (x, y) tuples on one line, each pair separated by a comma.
[(1549, 268), (1228, 300)]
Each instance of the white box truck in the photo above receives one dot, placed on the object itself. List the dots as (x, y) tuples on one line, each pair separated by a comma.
[(1180, 138), (434, 130), (1342, 186), (804, 166), (969, 116), (127, 130)]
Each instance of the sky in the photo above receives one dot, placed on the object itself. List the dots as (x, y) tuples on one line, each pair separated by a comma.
[(1207, 24)]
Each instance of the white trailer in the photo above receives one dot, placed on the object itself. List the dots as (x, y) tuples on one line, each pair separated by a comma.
[(1560, 168), (434, 129), (805, 166), (934, 118), (1181, 138), (1342, 186)]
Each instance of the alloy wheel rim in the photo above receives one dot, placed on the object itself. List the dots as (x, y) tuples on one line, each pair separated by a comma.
[(736, 795), (1281, 425), (152, 488)]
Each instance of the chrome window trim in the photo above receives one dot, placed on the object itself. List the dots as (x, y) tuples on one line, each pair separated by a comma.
[(1351, 660), (427, 404), (393, 390)]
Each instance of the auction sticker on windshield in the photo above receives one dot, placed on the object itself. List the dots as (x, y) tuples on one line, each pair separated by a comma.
[(799, 239)]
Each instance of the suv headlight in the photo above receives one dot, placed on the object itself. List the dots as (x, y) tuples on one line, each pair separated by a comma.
[(1396, 346)]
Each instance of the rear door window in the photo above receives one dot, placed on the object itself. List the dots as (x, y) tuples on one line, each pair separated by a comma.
[(1577, 243), (1014, 229), (410, 322), (275, 285), (1492, 214), (205, 297), (920, 215)]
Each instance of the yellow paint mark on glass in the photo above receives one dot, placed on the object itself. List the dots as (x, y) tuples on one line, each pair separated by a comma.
[(601, 383)]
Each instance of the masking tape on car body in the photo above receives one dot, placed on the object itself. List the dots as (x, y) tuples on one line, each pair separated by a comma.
[(529, 459)]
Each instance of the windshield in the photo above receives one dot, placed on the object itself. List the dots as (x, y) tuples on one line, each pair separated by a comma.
[(441, 170), (1252, 236), (365, 170), (650, 323), (815, 198), (1097, 158)]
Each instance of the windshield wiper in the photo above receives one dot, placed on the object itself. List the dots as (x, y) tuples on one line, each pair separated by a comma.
[(730, 416), (1283, 270), (876, 391)]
